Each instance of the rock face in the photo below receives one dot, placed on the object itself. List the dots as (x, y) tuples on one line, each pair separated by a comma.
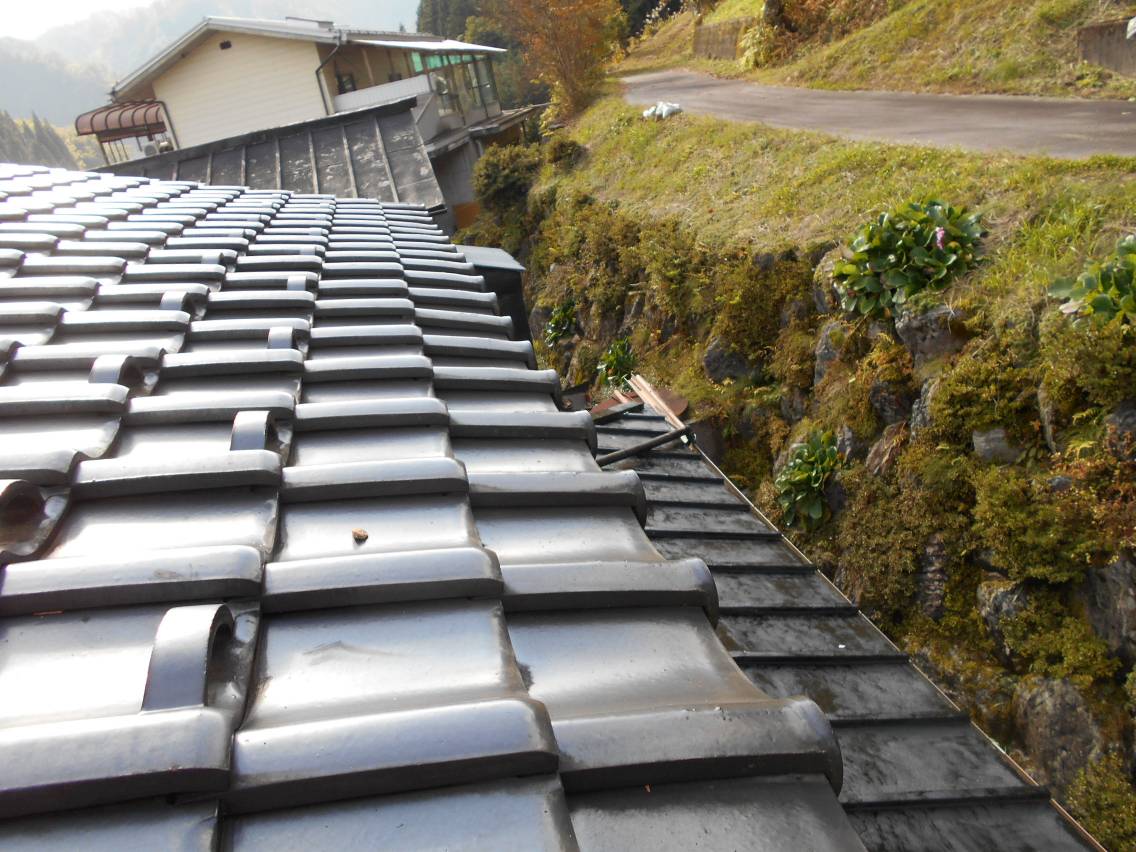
[(538, 319), (891, 402), (932, 577), (824, 291), (795, 309), (998, 601), (632, 310), (1109, 594), (783, 457), (885, 452), (794, 404), (931, 335), (829, 343), (719, 363), (994, 447), (1048, 420), (835, 494), (1121, 431), (599, 324), (921, 408), (1057, 729), (848, 445)]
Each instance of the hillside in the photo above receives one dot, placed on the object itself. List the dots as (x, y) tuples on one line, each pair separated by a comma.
[(123, 40), (985, 513), (37, 81), (966, 46)]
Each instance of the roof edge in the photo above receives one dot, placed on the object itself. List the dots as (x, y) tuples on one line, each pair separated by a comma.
[(212, 23)]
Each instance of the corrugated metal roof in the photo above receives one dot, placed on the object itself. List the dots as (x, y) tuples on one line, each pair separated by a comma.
[(301, 553), (373, 152)]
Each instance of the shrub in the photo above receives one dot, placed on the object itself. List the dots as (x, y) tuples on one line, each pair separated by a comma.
[(993, 383), (879, 547), (563, 150), (919, 247), (617, 363), (1104, 291), (561, 324), (800, 485), (759, 46), (1031, 532), (1086, 365), (505, 174), (674, 267), (1048, 641), (1103, 798)]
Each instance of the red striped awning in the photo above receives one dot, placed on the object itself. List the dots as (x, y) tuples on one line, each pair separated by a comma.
[(122, 121)]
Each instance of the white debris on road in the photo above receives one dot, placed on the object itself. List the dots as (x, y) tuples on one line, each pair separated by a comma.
[(662, 110)]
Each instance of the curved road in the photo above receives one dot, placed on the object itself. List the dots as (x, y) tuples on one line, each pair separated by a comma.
[(1059, 127)]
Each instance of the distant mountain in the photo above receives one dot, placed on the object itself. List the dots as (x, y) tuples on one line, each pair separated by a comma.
[(124, 40), (45, 77), (46, 84)]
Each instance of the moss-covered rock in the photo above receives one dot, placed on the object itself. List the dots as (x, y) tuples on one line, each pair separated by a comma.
[(1032, 532)]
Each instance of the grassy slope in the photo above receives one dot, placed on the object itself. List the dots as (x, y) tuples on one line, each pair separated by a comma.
[(744, 189), (768, 187), (963, 46)]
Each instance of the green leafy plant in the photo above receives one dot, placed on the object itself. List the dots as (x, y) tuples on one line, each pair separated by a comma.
[(1105, 290), (920, 247), (800, 484), (617, 363), (505, 174), (561, 324)]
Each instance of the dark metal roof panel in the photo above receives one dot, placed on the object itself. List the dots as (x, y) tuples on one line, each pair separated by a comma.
[(918, 774)]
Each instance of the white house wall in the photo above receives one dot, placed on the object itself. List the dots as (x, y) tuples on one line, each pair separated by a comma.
[(256, 84)]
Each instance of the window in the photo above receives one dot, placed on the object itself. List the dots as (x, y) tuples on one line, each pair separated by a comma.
[(416, 62), (345, 82)]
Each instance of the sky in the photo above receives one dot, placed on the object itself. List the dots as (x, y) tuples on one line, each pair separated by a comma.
[(21, 19)]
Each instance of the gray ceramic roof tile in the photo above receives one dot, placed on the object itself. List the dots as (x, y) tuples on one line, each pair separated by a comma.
[(463, 616)]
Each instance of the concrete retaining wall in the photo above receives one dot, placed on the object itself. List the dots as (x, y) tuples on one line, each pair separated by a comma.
[(720, 41), (1105, 45)]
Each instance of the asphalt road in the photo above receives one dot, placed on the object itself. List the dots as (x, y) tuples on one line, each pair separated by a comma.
[(1060, 127)]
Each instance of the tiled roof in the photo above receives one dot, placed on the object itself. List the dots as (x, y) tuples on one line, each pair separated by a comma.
[(917, 773), (301, 553)]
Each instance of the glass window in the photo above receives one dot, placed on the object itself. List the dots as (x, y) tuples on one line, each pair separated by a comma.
[(416, 62), (345, 82)]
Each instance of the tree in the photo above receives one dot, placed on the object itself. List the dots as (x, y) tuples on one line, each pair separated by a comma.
[(446, 17), (515, 84), (33, 142), (565, 42)]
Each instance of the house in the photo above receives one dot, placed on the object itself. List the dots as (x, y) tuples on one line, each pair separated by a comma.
[(229, 77)]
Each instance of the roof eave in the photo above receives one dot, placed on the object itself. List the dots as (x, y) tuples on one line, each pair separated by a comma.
[(208, 24)]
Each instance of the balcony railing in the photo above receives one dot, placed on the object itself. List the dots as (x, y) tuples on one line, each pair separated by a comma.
[(385, 93)]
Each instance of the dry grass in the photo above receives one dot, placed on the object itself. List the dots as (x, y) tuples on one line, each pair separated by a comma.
[(962, 46)]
